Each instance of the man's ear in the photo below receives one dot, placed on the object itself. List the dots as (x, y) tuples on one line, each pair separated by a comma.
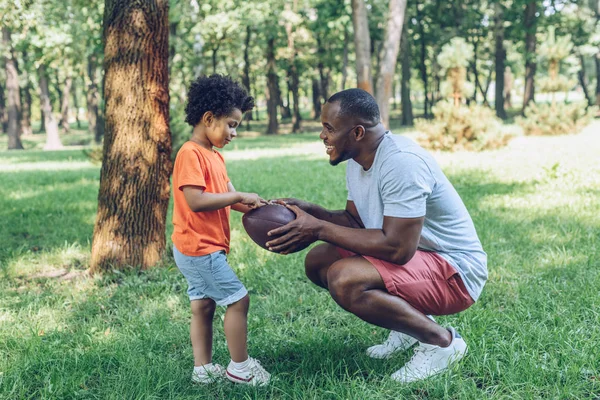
[(208, 118), (359, 133)]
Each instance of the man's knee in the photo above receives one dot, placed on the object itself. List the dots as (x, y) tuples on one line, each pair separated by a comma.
[(318, 259), (343, 285)]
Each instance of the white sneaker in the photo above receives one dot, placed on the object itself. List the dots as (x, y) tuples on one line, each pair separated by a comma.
[(208, 374), (254, 374), (396, 342), (430, 360)]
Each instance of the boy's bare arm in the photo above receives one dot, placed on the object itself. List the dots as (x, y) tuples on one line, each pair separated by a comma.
[(198, 200), (239, 207)]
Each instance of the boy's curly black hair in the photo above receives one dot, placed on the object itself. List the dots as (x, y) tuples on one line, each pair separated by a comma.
[(218, 94)]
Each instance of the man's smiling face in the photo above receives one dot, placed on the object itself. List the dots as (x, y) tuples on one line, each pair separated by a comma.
[(336, 134)]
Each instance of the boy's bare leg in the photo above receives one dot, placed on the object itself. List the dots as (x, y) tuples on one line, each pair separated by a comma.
[(236, 329), (201, 330)]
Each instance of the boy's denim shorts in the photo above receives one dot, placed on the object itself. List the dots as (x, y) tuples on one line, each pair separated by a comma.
[(210, 276)]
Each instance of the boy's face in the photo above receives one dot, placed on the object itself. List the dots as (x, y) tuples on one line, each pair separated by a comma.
[(222, 130)]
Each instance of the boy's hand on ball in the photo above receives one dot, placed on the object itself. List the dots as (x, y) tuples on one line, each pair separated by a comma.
[(303, 205), (252, 200)]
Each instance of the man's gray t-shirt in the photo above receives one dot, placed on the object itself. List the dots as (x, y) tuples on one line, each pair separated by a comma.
[(406, 182)]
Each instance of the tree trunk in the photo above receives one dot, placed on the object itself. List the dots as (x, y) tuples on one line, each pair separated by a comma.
[(345, 59), (13, 96), (391, 45), (530, 56), (272, 89), (92, 99), (597, 58), (64, 103), (508, 85), (3, 116), (362, 45), (407, 111), (26, 99), (246, 70), (26, 109), (316, 98), (500, 57), (422, 65), (76, 103), (52, 137), (134, 180)]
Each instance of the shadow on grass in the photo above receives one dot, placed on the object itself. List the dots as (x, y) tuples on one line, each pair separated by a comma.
[(530, 330)]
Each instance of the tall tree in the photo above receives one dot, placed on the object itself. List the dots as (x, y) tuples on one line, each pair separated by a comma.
[(500, 57), (134, 180), (64, 101), (13, 97), (52, 137), (362, 45), (405, 49), (530, 23), (387, 66), (272, 88), (293, 75)]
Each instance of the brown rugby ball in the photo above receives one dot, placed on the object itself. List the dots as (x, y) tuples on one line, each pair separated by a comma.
[(260, 221)]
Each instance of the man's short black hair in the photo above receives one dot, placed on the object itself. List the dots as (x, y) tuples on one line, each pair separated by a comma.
[(357, 103), (218, 94)]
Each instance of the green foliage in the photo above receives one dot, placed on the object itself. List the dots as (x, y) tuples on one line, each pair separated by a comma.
[(557, 119), (455, 54), (462, 128)]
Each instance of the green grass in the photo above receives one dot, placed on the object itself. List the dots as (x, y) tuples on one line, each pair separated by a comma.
[(534, 333)]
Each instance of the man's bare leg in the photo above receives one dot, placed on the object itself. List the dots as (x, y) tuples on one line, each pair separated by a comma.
[(357, 287), (318, 260)]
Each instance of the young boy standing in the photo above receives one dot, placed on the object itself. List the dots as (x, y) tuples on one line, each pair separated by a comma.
[(203, 196)]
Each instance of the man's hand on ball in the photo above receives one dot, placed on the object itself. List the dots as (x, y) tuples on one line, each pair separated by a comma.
[(304, 229), (252, 200), (303, 205)]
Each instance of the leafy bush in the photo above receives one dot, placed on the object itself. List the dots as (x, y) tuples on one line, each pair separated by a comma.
[(557, 119), (462, 128)]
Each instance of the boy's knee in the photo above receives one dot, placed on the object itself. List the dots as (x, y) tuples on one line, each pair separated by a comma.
[(241, 305), (203, 307)]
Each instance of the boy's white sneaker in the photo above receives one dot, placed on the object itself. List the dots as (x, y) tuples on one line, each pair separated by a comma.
[(208, 373), (253, 374), (396, 342), (430, 360)]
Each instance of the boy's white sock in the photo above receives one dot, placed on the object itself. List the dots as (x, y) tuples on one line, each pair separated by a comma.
[(240, 365), (202, 368)]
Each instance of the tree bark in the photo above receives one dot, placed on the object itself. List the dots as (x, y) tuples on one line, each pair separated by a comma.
[(500, 57), (272, 89), (316, 98), (530, 56), (246, 70), (345, 59), (76, 103), (3, 116), (422, 65), (405, 49), (64, 103), (52, 137), (92, 99), (362, 46), (391, 46), (13, 96), (26, 109), (134, 180), (508, 85)]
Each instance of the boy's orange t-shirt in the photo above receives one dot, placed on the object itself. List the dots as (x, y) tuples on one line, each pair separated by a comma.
[(199, 233)]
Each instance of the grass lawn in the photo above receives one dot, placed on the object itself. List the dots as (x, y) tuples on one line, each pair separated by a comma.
[(535, 332)]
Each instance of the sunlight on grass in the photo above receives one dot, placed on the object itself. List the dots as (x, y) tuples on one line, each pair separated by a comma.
[(63, 334)]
